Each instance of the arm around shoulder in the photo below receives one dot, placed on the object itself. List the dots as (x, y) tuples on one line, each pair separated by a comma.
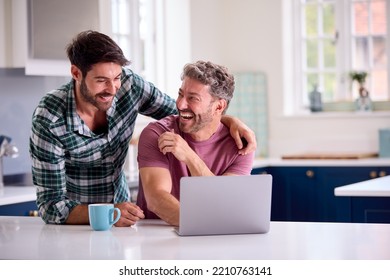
[(244, 137)]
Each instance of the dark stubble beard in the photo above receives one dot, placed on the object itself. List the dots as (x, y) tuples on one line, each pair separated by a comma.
[(87, 96)]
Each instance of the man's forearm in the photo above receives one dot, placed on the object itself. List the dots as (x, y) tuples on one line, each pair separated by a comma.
[(227, 120), (78, 215), (166, 206), (198, 167)]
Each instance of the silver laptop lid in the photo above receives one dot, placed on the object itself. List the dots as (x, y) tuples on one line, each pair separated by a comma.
[(225, 204)]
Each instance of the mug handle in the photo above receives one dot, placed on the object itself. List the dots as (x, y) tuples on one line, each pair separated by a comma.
[(118, 215)]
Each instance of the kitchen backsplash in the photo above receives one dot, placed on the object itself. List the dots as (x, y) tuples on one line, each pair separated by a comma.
[(249, 103)]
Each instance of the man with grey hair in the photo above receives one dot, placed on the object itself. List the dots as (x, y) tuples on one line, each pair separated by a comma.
[(193, 143)]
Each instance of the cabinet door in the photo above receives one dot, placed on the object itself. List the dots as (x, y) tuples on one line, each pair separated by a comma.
[(278, 204), (52, 25), (296, 193), (338, 208), (34, 33), (13, 33), (303, 194), (370, 209)]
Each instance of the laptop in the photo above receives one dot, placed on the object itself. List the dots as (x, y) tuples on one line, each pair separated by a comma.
[(213, 205)]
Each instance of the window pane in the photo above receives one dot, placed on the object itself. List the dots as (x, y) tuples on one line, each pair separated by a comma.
[(311, 20), (114, 14), (312, 53), (379, 55), (329, 20), (379, 85), (120, 10), (361, 53), (123, 42), (329, 54), (312, 81), (124, 8), (360, 18), (378, 17), (329, 87)]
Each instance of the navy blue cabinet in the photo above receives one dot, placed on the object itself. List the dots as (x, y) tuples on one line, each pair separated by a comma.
[(338, 208), (308, 196), (370, 209), (296, 193), (278, 204), (306, 193), (28, 208), (363, 209)]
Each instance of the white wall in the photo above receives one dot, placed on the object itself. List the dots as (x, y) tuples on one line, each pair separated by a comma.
[(247, 35)]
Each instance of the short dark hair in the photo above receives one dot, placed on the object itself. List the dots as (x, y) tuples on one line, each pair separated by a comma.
[(221, 82), (91, 47)]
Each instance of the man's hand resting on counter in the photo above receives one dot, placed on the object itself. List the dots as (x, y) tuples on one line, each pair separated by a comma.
[(130, 214)]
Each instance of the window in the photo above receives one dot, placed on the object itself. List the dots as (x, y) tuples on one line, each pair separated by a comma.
[(335, 37), (133, 30)]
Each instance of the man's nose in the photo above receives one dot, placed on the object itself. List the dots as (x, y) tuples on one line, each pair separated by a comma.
[(111, 87), (181, 103)]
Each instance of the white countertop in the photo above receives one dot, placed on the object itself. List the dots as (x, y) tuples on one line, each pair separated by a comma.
[(378, 187), (11, 195), (30, 238)]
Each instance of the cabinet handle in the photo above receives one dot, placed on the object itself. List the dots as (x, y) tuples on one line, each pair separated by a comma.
[(310, 173), (33, 213), (382, 173), (373, 174)]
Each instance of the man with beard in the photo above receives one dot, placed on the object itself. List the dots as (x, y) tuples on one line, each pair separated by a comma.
[(193, 143), (81, 133)]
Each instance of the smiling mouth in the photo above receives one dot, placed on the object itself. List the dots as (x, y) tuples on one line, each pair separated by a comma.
[(186, 116), (105, 97)]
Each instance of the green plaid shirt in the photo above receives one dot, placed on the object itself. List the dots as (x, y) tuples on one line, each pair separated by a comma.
[(71, 165)]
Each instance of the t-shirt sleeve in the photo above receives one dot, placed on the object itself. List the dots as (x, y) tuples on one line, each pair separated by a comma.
[(242, 165), (149, 154)]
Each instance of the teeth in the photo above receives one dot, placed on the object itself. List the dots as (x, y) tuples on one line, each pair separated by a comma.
[(186, 116)]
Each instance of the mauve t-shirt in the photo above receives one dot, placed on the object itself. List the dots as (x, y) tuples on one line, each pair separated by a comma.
[(219, 153)]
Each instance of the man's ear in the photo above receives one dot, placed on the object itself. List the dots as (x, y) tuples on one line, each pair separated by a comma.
[(221, 105), (76, 73)]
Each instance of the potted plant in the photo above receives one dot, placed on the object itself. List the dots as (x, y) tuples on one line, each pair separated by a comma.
[(358, 76), (363, 102)]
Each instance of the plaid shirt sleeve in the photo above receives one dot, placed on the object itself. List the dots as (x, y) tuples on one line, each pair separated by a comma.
[(48, 168), (147, 99)]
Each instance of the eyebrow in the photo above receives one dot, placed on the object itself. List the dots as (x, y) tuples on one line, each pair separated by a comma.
[(190, 93), (106, 78)]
